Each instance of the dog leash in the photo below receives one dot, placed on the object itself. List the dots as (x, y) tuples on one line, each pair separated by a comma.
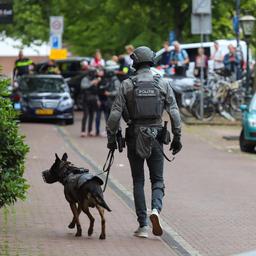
[(162, 151), (109, 162)]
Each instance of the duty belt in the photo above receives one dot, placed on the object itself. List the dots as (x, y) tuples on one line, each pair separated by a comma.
[(147, 122)]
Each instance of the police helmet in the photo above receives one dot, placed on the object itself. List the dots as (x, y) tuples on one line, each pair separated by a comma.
[(142, 55)]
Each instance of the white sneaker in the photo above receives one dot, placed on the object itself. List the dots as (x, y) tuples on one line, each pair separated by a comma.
[(156, 225), (141, 232)]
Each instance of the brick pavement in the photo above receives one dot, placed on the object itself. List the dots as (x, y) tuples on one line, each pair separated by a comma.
[(210, 190), (209, 203), (38, 226)]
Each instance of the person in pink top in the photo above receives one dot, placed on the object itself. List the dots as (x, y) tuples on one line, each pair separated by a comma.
[(97, 61), (201, 62)]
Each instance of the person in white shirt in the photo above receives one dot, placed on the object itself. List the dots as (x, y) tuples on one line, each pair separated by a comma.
[(217, 57), (129, 50)]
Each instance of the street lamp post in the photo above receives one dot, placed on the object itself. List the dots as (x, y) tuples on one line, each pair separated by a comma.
[(247, 24)]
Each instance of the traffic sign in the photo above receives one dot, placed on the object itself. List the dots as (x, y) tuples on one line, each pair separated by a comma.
[(172, 37), (201, 7), (56, 24), (56, 41), (58, 54), (201, 24), (235, 22)]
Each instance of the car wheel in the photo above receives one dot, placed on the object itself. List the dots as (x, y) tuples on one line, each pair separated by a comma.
[(244, 146), (69, 121)]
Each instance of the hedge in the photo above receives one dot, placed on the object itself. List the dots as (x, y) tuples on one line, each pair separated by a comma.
[(12, 151)]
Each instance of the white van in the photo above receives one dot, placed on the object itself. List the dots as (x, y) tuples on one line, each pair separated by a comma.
[(209, 50)]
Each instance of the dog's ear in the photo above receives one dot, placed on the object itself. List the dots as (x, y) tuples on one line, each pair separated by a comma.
[(64, 157), (57, 157)]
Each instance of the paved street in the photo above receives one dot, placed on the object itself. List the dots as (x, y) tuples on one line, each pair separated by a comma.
[(209, 206)]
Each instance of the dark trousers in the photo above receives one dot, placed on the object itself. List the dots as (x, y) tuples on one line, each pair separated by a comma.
[(197, 72), (155, 164), (89, 109), (106, 110)]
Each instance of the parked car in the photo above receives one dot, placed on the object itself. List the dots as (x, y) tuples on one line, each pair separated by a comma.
[(248, 134), (43, 97), (69, 67), (72, 69)]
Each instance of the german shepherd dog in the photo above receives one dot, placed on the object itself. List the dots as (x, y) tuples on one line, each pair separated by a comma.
[(82, 190)]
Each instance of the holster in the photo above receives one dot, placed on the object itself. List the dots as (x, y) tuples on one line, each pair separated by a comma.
[(164, 136), (129, 133)]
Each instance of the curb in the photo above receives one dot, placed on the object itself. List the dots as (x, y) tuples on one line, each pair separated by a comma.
[(215, 121)]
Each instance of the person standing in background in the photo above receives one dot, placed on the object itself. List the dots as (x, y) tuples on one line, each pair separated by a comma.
[(129, 50), (123, 71), (165, 58), (22, 65), (89, 86), (217, 57), (201, 62), (179, 59), (232, 62), (97, 61)]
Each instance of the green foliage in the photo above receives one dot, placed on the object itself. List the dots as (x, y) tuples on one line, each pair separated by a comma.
[(12, 152), (111, 24)]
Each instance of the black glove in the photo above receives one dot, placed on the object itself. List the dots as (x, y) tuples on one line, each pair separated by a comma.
[(112, 145), (175, 145), (111, 141)]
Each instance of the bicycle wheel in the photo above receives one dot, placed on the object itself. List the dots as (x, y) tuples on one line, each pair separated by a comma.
[(185, 112), (209, 110), (237, 98)]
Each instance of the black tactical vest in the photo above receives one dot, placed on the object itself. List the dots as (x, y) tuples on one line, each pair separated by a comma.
[(147, 103)]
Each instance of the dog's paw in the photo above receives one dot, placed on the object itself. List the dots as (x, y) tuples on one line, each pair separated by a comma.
[(102, 236), (72, 225)]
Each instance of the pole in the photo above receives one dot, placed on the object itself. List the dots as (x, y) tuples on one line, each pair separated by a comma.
[(238, 18), (201, 74), (238, 48), (247, 68), (254, 79)]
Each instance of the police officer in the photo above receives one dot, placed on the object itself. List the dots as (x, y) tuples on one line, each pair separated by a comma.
[(108, 87), (141, 100), (89, 86), (50, 68), (22, 65)]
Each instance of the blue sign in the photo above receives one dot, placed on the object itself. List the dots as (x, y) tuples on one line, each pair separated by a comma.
[(55, 41), (235, 24), (172, 37)]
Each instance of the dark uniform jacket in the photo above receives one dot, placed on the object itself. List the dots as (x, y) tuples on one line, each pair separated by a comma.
[(22, 66), (123, 103)]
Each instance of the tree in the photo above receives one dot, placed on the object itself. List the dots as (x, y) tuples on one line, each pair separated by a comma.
[(12, 152), (111, 24)]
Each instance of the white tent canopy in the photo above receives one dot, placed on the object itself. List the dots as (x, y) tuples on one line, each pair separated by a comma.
[(11, 47)]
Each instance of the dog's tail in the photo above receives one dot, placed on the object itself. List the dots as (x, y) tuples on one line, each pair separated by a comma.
[(98, 196)]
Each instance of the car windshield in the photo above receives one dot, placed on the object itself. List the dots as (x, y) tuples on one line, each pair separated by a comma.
[(253, 104), (42, 84)]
